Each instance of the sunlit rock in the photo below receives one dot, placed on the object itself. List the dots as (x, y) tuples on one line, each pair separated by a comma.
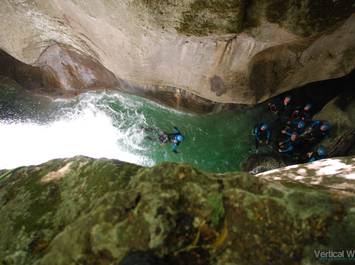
[(220, 51), (107, 212)]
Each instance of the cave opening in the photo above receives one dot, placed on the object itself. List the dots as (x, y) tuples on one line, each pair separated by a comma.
[(326, 96), (319, 93)]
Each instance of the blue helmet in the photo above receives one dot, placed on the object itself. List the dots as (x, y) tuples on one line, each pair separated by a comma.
[(321, 151), (180, 138), (325, 127), (301, 124), (264, 127)]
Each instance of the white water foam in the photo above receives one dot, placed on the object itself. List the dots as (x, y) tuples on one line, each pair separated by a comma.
[(85, 130)]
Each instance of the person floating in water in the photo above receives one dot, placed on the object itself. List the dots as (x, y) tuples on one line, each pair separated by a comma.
[(176, 138), (262, 135)]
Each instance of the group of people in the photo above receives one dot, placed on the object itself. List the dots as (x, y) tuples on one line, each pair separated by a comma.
[(299, 135)]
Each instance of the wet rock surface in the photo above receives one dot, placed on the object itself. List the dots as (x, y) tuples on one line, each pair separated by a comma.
[(60, 70), (87, 211), (340, 112), (217, 50), (23, 74), (262, 162), (66, 70)]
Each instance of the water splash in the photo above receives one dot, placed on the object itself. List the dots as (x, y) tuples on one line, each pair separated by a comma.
[(83, 126)]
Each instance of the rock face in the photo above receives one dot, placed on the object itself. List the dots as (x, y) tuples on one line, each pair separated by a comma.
[(70, 71), (224, 51), (262, 162), (86, 211), (334, 173), (340, 112), (59, 70)]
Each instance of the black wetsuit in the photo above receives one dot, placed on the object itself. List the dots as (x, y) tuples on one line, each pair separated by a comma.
[(261, 136), (313, 133), (300, 113), (282, 111), (171, 137)]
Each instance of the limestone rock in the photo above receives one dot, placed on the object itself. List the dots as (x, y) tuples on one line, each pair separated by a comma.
[(222, 51), (340, 113), (258, 163), (87, 211), (333, 173), (70, 71)]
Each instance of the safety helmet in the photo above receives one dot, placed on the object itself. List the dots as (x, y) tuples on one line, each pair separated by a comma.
[(321, 151), (324, 127), (287, 100), (307, 107), (294, 137), (301, 125), (263, 127), (180, 138)]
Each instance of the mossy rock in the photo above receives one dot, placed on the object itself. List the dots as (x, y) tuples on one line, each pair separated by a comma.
[(211, 17), (196, 17), (206, 17), (87, 211), (307, 17)]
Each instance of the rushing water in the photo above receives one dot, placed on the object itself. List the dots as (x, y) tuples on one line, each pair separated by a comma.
[(114, 125)]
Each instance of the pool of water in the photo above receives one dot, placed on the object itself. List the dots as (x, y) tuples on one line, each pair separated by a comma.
[(35, 129)]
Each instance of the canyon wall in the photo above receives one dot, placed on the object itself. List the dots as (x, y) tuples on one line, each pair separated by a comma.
[(231, 51)]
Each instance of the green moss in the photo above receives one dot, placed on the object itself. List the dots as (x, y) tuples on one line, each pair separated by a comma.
[(216, 202), (98, 210), (307, 17), (205, 17)]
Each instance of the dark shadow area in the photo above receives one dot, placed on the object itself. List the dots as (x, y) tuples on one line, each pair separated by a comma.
[(321, 92), (318, 94), (27, 76)]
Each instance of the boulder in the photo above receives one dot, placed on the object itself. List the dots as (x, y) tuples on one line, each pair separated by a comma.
[(258, 163), (86, 211), (340, 113)]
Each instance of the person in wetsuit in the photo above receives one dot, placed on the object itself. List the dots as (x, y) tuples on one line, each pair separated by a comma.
[(302, 113), (262, 135), (287, 146), (316, 131), (319, 153), (297, 126), (281, 108), (176, 138)]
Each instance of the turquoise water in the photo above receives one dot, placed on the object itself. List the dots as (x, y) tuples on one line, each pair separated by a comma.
[(114, 125)]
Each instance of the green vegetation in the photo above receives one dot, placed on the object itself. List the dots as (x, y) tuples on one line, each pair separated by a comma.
[(87, 211), (205, 17), (307, 17), (216, 202)]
